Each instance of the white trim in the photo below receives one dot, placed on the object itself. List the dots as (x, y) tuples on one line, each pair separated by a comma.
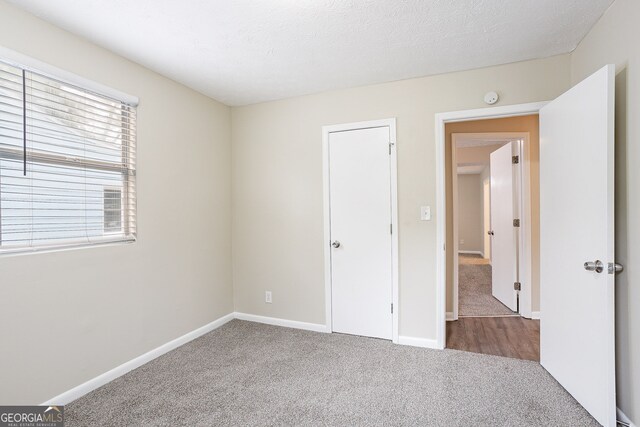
[(326, 231), (440, 120), (23, 61), (419, 342), (490, 112), (535, 315), (456, 232), (315, 327), (525, 260), (523, 188), (396, 231), (622, 417), (450, 316), (326, 130), (88, 386), (472, 253), (105, 378), (97, 242)]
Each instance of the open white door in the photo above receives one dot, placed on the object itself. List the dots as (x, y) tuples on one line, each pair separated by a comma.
[(503, 244), (576, 226)]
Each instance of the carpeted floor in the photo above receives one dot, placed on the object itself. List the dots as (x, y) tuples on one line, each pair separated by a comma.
[(248, 374), (474, 289)]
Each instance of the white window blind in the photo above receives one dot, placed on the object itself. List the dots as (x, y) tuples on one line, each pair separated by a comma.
[(67, 164)]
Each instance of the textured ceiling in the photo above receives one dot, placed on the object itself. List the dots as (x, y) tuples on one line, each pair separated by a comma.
[(247, 51)]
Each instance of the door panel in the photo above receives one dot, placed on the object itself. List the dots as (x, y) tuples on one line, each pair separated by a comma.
[(576, 225), (503, 245), (360, 204)]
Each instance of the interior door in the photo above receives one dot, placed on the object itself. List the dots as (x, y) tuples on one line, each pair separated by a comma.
[(576, 226), (360, 206), (503, 245)]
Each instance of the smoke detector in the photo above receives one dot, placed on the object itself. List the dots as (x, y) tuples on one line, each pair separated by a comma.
[(491, 98)]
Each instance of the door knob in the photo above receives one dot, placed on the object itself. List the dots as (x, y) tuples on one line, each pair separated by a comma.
[(335, 244), (596, 266), (614, 267)]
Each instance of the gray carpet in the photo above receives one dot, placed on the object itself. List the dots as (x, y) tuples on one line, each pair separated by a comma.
[(474, 289), (248, 374)]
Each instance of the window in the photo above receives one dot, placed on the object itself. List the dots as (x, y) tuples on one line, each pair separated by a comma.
[(67, 164)]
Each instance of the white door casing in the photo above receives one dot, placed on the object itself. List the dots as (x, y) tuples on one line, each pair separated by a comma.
[(441, 212), (360, 197), (486, 219), (522, 207), (504, 247), (577, 225)]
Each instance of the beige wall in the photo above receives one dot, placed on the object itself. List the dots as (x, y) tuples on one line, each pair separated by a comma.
[(477, 155), (277, 183), (470, 213), (614, 40), (66, 317), (481, 154), (67, 328), (511, 124)]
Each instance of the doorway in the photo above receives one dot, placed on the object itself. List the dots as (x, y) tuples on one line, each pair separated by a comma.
[(487, 194), (577, 287), (360, 209), (489, 200), (492, 271)]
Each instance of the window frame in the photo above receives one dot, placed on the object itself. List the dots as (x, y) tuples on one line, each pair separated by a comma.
[(126, 167)]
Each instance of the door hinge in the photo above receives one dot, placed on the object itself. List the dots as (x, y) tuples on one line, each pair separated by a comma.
[(515, 159), (391, 228), (516, 223), (517, 286), (390, 145), (391, 308)]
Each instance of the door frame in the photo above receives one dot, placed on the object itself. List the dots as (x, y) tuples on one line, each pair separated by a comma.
[(523, 186), (441, 223), (393, 165)]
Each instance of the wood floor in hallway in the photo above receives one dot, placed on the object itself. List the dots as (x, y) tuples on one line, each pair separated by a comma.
[(514, 337)]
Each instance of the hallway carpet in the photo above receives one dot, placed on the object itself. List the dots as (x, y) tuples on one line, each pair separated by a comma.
[(474, 289), (248, 374)]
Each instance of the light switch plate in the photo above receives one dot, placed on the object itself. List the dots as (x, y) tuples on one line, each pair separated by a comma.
[(425, 213)]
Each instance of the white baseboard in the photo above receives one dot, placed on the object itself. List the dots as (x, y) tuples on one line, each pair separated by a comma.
[(622, 417), (415, 342), (94, 383), (84, 388), (472, 253), (418, 342), (535, 315), (449, 316), (316, 327)]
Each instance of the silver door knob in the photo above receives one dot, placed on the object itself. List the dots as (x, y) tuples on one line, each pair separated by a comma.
[(596, 266), (335, 244), (614, 268)]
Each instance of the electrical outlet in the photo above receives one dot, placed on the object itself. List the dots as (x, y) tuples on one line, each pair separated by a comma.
[(267, 297)]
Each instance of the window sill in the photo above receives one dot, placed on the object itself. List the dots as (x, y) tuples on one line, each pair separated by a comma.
[(67, 246)]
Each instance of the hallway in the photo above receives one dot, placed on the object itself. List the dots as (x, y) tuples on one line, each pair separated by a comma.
[(474, 289), (484, 324)]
